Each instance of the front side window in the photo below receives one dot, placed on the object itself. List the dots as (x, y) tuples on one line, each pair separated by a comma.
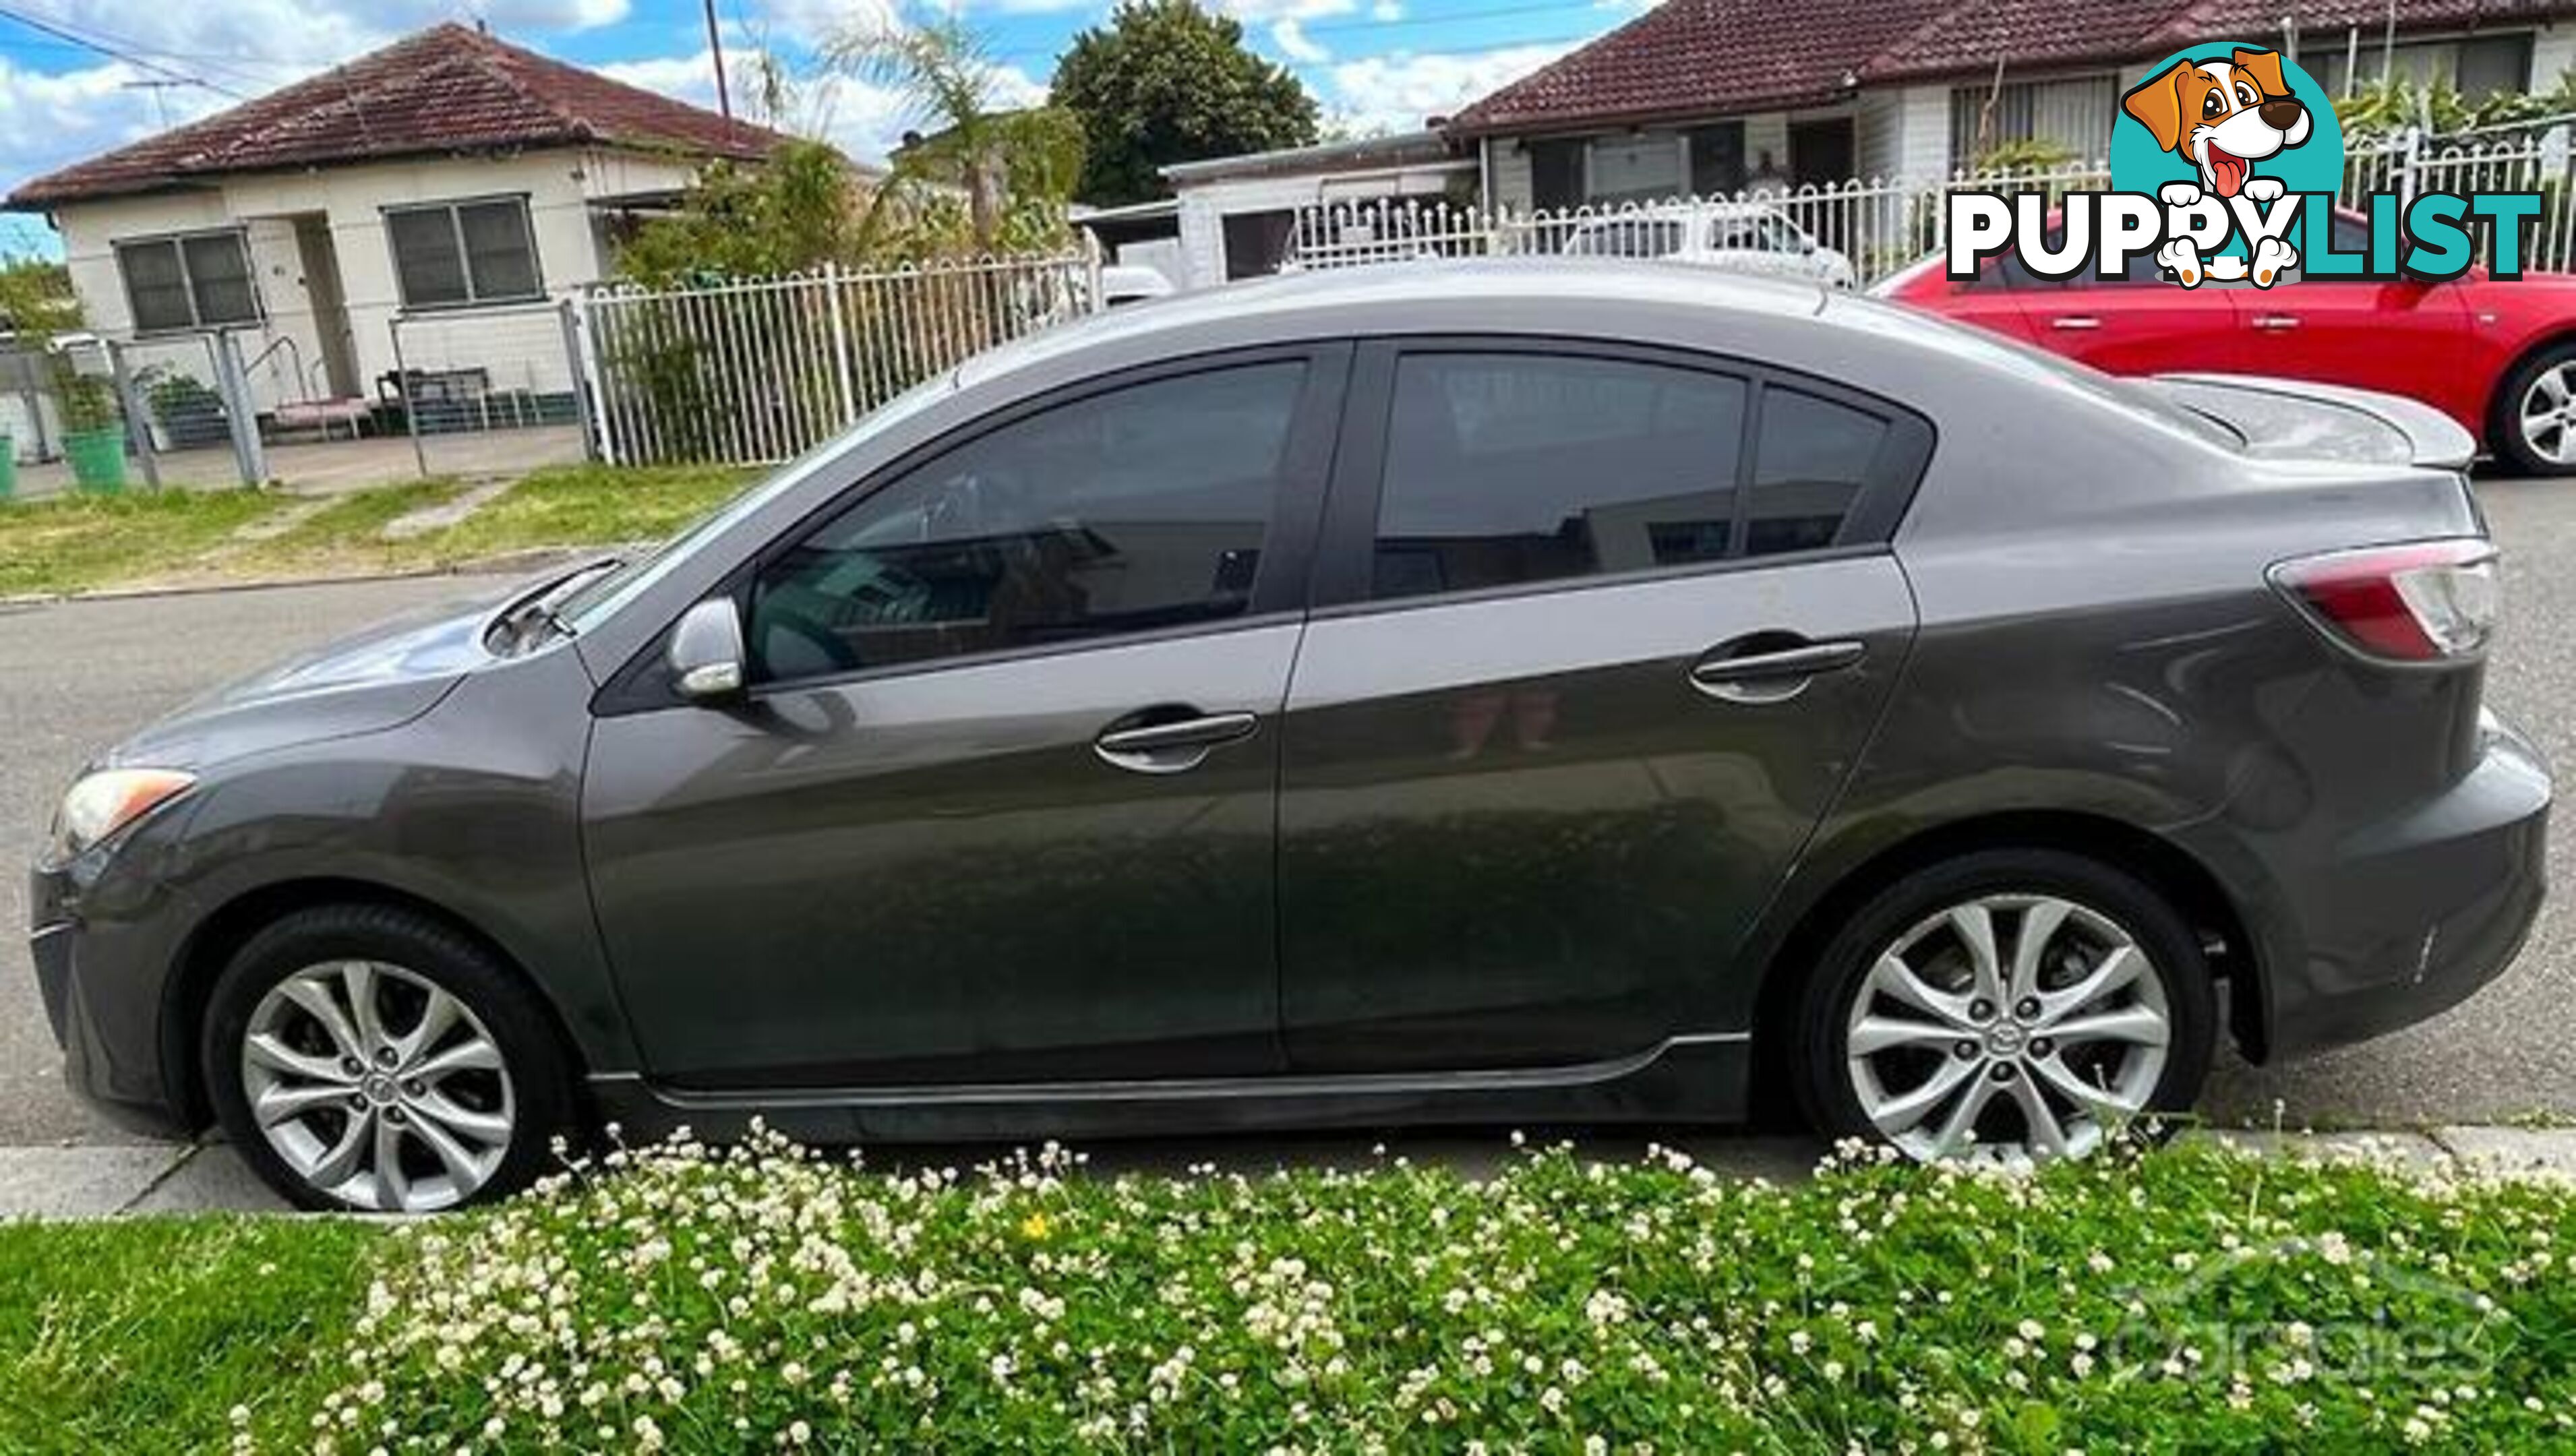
[(1142, 508), (450, 255), (1503, 469), (200, 280)]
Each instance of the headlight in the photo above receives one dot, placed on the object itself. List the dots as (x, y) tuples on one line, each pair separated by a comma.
[(105, 802)]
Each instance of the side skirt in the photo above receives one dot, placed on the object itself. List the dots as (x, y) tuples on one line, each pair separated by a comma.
[(1700, 1078)]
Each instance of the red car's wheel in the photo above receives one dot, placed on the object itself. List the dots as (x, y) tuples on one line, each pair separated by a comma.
[(2533, 427)]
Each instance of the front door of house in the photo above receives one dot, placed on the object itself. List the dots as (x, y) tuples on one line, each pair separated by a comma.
[(320, 261)]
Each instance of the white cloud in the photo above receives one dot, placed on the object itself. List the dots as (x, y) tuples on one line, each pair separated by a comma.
[(1290, 36), (1385, 10), (1396, 92), (1263, 12)]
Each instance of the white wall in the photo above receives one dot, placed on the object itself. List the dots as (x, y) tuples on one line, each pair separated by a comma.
[(1204, 206), (558, 184)]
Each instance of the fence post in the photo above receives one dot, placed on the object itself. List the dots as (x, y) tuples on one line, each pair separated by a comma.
[(2411, 151), (585, 411), (1091, 260), (138, 429), (402, 387), (240, 410), (840, 343)]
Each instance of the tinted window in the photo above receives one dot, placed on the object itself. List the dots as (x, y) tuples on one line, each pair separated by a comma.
[(1812, 463), (1509, 468), (1141, 508)]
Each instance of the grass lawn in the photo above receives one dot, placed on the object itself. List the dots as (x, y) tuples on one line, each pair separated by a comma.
[(86, 543), (2185, 1299)]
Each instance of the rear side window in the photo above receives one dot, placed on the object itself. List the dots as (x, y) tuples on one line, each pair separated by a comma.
[(1505, 469), (1510, 468), (1813, 462)]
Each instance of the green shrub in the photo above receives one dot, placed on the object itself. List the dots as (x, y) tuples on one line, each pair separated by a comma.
[(2188, 1299)]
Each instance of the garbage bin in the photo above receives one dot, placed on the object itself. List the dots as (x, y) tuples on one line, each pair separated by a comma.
[(97, 457)]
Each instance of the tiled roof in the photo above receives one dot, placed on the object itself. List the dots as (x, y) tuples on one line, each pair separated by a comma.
[(443, 91), (1708, 56), (1725, 57)]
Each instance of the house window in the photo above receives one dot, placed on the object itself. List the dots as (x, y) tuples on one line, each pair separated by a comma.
[(2477, 66), (1646, 168), (197, 280), (2075, 114), (455, 254)]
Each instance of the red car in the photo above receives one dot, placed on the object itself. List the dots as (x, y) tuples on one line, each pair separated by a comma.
[(2498, 357)]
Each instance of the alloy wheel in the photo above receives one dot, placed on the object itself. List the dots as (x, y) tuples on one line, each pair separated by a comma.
[(377, 1087), (2008, 1027), (2548, 415)]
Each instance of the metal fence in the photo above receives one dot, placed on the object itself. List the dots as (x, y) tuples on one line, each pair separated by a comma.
[(760, 370), (481, 391), (1883, 225)]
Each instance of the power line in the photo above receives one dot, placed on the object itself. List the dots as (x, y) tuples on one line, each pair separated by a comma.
[(113, 53)]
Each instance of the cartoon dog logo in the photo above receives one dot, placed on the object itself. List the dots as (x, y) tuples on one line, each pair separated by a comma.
[(2222, 115)]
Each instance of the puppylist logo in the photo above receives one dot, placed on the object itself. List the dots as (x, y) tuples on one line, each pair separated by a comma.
[(2226, 162)]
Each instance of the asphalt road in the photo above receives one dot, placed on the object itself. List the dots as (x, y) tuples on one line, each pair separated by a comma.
[(75, 676)]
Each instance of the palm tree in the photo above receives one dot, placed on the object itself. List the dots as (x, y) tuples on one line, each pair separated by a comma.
[(971, 144)]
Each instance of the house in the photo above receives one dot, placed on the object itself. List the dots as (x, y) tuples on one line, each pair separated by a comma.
[(1702, 96), (450, 180), (1239, 215)]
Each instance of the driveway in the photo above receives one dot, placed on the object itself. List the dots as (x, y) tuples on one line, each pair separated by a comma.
[(80, 674)]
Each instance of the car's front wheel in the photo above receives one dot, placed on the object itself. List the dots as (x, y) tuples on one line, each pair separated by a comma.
[(2006, 1004), (2534, 422), (367, 1057)]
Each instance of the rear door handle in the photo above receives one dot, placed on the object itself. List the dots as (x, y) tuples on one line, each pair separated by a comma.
[(2276, 322), (1174, 746), (2075, 321), (1774, 676)]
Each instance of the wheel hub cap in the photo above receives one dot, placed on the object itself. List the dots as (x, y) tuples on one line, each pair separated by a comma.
[(377, 1087)]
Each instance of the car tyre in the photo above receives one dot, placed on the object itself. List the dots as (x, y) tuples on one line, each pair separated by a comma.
[(1909, 1035), (2532, 426), (369, 1057)]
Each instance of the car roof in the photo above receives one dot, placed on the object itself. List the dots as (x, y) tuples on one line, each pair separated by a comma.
[(1396, 297)]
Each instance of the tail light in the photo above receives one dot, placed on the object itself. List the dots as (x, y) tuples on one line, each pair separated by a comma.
[(2427, 602)]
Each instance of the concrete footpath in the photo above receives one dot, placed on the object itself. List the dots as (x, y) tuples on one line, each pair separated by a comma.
[(122, 1181)]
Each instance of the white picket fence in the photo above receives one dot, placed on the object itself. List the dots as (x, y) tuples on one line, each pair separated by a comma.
[(1883, 225), (760, 370)]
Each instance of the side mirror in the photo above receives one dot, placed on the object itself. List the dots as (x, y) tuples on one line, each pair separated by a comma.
[(706, 651)]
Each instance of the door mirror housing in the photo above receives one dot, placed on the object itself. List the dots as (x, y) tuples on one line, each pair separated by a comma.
[(706, 653)]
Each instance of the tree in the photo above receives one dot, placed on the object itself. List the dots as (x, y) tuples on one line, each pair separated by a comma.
[(1166, 81), (800, 208), (1002, 161)]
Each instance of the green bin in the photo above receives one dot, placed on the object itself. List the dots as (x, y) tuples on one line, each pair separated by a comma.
[(97, 457), (8, 467)]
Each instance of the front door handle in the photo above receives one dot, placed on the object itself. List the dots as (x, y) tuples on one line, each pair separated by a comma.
[(1772, 676), (2075, 321), (1171, 747), (2276, 323)]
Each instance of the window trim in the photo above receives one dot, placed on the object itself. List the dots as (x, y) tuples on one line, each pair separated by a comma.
[(454, 208), (1343, 571), (177, 241), (1280, 583)]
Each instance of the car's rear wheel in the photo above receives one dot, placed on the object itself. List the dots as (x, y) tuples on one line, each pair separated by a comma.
[(2006, 1005), (2534, 425), (367, 1057)]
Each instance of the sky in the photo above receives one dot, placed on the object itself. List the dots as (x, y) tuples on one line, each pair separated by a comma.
[(79, 77)]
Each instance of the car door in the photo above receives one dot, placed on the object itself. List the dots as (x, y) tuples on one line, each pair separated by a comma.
[(1599, 633), (999, 804), (2133, 323), (2405, 335)]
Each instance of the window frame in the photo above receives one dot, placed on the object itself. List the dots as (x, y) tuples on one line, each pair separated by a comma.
[(1345, 554), (1279, 583), (454, 208), (177, 243)]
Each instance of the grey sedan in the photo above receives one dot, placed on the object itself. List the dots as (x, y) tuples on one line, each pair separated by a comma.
[(1565, 692)]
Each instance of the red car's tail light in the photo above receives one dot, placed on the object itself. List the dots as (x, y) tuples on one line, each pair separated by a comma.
[(2430, 601)]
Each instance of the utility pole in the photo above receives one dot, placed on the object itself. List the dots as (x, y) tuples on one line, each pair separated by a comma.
[(715, 49)]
